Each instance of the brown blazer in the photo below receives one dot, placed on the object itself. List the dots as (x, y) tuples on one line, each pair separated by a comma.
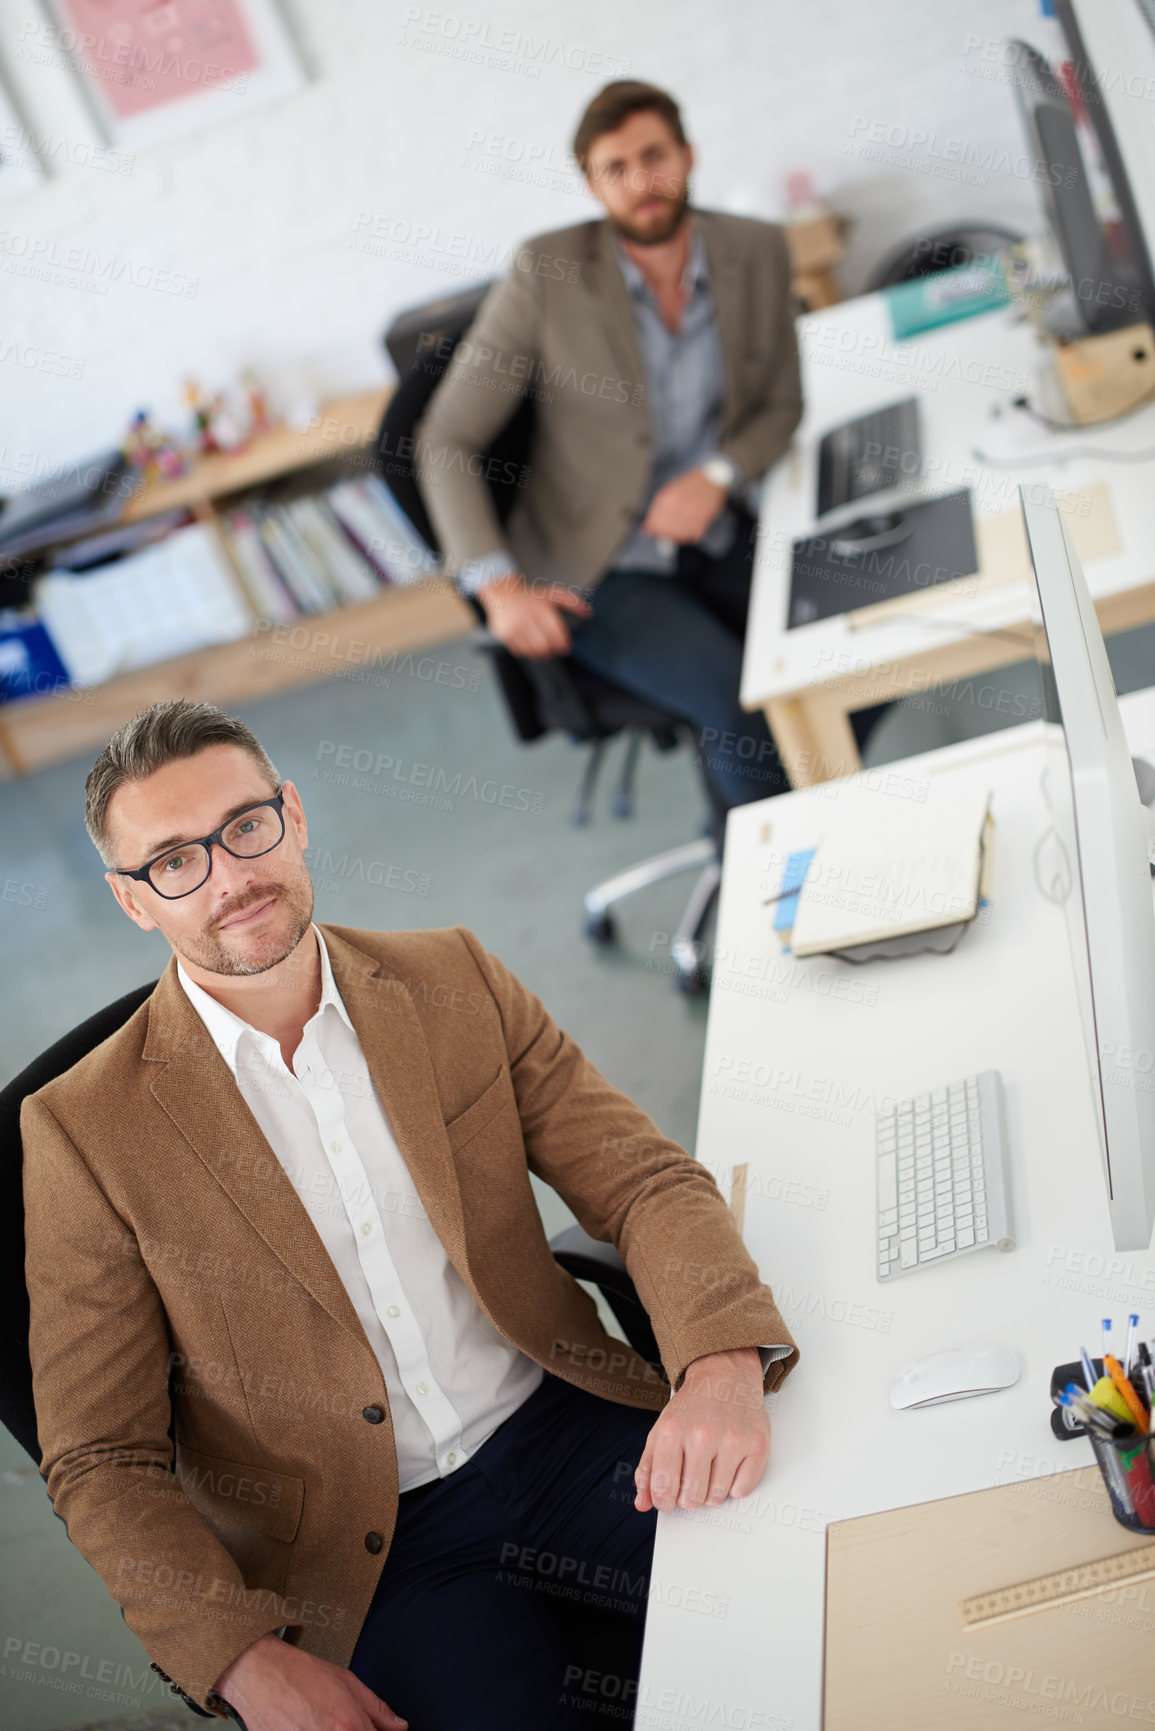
[(163, 1236), (562, 328)]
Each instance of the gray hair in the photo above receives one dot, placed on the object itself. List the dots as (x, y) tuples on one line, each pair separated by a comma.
[(160, 734)]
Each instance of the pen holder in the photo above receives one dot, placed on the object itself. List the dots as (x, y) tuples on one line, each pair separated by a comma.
[(1128, 1467)]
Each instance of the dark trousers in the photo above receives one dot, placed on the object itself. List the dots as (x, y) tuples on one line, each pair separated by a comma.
[(501, 1576), (677, 641)]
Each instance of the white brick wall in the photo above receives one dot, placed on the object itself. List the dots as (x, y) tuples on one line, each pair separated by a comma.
[(396, 129)]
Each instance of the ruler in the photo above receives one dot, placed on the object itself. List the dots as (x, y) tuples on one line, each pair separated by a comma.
[(1061, 1588), (738, 1194)]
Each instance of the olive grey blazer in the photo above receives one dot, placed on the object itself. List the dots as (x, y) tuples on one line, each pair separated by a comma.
[(561, 327)]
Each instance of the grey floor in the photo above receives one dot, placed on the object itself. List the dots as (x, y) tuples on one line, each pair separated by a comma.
[(513, 876)]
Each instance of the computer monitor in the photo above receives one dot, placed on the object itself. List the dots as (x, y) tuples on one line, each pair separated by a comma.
[(1109, 271), (1112, 48), (1096, 860)]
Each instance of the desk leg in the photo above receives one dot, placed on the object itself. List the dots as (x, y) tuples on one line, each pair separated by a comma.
[(814, 738)]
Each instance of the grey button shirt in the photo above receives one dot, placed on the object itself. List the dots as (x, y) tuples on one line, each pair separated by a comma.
[(684, 385), (683, 372)]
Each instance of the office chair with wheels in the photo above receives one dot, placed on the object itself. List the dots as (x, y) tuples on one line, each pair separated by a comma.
[(590, 1632), (555, 694)]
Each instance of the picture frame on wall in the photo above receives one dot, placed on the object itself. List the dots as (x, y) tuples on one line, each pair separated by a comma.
[(20, 167), (157, 69)]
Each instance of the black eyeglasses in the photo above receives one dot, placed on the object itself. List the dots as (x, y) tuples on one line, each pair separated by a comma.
[(181, 870)]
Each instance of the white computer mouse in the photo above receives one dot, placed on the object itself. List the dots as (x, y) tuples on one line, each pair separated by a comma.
[(954, 1375)]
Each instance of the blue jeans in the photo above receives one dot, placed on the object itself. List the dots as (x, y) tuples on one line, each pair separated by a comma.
[(467, 1630), (677, 642)]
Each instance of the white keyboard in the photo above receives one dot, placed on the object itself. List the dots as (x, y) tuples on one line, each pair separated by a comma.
[(942, 1176)]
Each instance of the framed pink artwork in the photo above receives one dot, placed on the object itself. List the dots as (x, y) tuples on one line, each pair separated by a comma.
[(154, 69)]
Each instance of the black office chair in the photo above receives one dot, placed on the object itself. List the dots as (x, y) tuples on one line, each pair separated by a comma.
[(941, 249), (594, 1637), (556, 693)]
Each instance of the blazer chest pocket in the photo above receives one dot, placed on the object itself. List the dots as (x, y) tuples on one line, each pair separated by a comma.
[(253, 1511), (492, 1100)]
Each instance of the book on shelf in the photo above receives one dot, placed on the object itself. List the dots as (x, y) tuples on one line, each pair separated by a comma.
[(269, 595), (373, 517), (349, 573), (303, 575)]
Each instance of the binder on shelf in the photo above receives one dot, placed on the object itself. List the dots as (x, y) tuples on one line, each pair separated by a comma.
[(177, 595), (29, 664)]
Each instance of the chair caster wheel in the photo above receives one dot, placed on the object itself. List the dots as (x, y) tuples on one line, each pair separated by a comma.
[(600, 928)]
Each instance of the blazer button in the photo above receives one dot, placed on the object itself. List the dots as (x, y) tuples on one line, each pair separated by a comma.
[(372, 1414), (374, 1542)]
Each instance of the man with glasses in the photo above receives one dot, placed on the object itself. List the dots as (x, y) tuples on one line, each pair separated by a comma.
[(313, 1397)]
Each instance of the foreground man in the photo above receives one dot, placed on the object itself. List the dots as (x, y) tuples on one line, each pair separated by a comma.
[(312, 1393)]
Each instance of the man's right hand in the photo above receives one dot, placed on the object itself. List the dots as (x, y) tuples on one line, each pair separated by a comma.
[(276, 1687), (529, 621)]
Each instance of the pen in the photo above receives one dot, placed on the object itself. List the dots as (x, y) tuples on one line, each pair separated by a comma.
[(1128, 1356), (1089, 1377), (1094, 1416), (1106, 1336), (1134, 1405), (1101, 1417)]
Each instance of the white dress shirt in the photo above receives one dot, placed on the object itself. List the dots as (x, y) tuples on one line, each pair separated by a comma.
[(451, 1377)]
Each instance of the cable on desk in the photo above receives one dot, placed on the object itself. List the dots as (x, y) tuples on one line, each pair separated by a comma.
[(1062, 456)]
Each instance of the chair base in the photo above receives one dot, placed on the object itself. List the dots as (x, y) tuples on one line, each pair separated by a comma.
[(686, 954)]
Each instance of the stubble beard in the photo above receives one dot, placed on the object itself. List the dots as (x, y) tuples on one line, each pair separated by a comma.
[(663, 231), (212, 951)]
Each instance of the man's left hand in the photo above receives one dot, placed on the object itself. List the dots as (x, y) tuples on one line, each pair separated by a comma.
[(712, 1440), (684, 508)]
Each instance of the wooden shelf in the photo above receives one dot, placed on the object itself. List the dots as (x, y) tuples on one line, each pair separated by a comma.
[(345, 424), (350, 642)]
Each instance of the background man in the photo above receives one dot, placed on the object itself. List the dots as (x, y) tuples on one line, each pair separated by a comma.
[(310, 1387), (658, 347)]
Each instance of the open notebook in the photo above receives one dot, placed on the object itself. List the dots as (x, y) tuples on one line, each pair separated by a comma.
[(893, 878)]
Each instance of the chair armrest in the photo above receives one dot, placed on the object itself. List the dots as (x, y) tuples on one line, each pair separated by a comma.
[(590, 1259)]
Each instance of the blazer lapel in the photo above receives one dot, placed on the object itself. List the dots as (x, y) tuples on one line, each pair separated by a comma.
[(382, 1010), (615, 307), (729, 309), (195, 1088)]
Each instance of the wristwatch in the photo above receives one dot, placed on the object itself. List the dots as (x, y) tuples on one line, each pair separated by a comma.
[(721, 471)]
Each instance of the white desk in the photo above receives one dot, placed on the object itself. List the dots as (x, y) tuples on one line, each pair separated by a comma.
[(807, 679), (798, 1054)]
